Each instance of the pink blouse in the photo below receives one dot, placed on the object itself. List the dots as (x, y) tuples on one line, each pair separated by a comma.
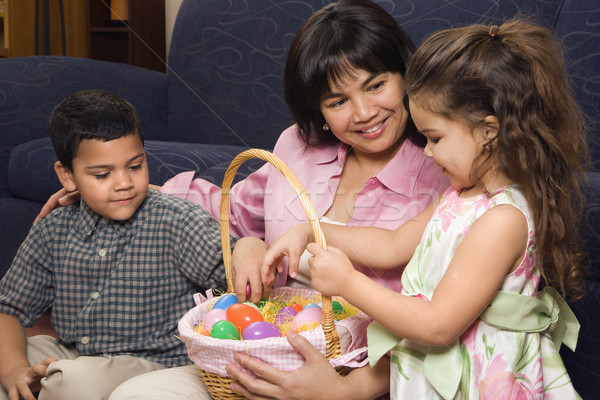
[(264, 205)]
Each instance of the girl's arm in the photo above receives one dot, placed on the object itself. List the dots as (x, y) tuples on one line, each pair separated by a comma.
[(493, 247), (384, 249)]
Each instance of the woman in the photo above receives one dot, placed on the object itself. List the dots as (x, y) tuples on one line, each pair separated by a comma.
[(360, 159)]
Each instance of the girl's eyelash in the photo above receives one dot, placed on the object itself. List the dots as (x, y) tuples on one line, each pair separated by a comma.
[(101, 176)]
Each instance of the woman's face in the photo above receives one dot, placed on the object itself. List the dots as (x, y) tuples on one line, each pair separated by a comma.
[(366, 111)]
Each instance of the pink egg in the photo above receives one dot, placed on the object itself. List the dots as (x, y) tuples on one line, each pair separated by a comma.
[(307, 316), (214, 315)]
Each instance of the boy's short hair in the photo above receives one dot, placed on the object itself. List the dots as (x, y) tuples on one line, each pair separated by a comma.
[(90, 114)]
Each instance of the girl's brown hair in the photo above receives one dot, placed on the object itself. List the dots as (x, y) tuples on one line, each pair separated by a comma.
[(516, 72)]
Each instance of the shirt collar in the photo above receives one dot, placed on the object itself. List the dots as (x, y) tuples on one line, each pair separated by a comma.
[(401, 173), (89, 220)]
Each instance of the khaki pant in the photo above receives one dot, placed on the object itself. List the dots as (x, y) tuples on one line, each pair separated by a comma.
[(81, 377), (172, 383)]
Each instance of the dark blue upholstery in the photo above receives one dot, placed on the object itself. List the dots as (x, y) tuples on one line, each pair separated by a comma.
[(223, 93)]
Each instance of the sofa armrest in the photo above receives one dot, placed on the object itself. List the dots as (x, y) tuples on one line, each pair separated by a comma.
[(30, 87)]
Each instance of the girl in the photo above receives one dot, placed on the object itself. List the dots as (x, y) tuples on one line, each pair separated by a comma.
[(501, 120)]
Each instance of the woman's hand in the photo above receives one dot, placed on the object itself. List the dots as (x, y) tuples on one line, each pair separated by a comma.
[(316, 379), (329, 269), (246, 260), (59, 199), (291, 244)]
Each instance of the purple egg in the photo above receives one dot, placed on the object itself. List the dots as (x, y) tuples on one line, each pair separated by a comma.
[(214, 315), (286, 314), (261, 330)]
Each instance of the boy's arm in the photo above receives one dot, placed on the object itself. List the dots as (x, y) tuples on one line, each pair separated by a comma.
[(246, 260), (13, 363)]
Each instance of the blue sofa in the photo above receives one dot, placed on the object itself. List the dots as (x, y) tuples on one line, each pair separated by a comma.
[(223, 94)]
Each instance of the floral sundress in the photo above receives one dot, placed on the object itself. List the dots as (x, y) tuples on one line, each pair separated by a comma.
[(486, 362)]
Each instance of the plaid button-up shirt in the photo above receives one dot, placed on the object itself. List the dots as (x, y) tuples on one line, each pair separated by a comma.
[(117, 287)]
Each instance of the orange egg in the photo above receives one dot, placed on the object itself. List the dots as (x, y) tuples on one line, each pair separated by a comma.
[(241, 315)]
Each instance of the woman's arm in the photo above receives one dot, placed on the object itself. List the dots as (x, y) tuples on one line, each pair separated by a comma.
[(316, 379), (492, 248)]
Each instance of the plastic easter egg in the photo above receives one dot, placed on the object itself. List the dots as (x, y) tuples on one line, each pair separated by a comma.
[(307, 316), (296, 307), (214, 315), (251, 304), (241, 315), (261, 330), (338, 308), (224, 330), (225, 301), (311, 305), (285, 315)]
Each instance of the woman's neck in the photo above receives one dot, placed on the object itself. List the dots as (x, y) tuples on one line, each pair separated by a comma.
[(374, 162)]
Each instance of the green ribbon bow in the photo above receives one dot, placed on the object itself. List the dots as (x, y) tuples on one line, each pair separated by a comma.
[(443, 366)]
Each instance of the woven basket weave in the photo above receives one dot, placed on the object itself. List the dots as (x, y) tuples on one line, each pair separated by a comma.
[(218, 385)]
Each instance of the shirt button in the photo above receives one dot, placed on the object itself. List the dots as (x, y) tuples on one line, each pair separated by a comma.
[(102, 252), (372, 181), (85, 340), (95, 295)]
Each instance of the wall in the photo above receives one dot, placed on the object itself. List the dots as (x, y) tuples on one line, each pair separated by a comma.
[(171, 8)]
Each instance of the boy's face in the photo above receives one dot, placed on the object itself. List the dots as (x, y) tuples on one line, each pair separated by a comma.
[(112, 177)]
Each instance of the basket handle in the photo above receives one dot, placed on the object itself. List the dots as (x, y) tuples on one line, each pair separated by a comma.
[(327, 322)]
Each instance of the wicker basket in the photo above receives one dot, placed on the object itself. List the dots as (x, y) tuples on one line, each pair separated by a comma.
[(218, 385)]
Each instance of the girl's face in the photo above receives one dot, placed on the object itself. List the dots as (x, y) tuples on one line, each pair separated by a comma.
[(112, 176), (366, 112), (453, 144)]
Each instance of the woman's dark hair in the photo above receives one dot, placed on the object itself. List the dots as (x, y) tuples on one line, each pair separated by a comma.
[(340, 37), (90, 114)]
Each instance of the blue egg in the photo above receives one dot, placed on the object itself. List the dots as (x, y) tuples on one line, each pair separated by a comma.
[(310, 305), (225, 301)]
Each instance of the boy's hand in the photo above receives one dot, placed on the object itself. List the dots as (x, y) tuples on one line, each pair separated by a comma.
[(58, 199), (27, 380), (329, 269), (291, 244), (246, 260)]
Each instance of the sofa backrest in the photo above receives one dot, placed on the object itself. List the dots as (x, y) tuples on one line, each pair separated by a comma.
[(227, 58)]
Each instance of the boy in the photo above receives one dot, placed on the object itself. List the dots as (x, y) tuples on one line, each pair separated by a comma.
[(119, 268)]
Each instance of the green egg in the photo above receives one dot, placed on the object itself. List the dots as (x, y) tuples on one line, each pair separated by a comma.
[(337, 307), (224, 330)]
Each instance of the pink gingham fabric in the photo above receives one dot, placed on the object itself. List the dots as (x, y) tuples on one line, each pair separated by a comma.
[(212, 355)]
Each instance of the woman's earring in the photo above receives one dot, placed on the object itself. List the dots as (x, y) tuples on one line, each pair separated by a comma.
[(325, 126)]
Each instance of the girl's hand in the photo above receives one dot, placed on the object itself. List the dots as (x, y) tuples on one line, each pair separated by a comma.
[(329, 269), (246, 260), (316, 379), (291, 244), (59, 199)]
